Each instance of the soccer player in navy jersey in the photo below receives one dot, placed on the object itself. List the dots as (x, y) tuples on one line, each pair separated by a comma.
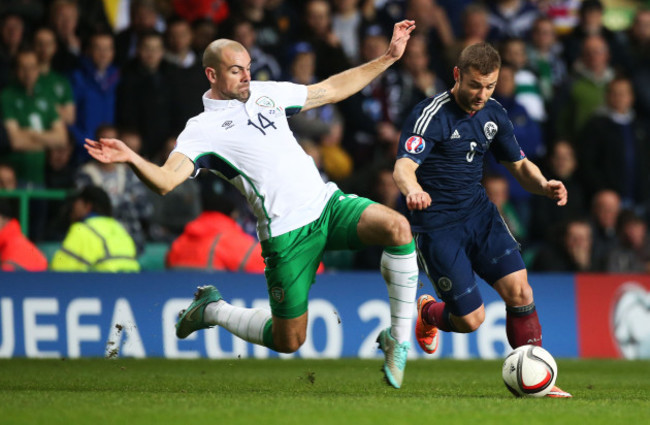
[(458, 231)]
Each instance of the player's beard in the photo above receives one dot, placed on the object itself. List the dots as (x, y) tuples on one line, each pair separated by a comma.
[(243, 96), (466, 102)]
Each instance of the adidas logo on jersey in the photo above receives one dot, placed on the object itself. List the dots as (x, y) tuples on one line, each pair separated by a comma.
[(455, 135)]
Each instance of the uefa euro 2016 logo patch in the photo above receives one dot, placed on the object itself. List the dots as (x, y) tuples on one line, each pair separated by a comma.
[(414, 144), (490, 129)]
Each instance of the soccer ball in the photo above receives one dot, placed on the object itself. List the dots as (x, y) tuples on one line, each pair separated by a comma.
[(529, 371)]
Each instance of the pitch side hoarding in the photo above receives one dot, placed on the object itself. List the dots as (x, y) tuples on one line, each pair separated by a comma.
[(133, 315)]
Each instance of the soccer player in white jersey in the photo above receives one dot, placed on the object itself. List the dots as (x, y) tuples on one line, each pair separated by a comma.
[(243, 136)]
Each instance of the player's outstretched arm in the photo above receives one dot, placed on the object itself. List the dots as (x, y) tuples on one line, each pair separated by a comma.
[(159, 179), (530, 177), (345, 84), (407, 182)]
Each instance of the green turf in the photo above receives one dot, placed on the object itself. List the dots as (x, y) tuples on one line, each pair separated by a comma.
[(310, 392)]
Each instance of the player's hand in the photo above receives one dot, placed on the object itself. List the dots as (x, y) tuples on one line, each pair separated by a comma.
[(401, 34), (418, 200), (108, 150), (555, 190)]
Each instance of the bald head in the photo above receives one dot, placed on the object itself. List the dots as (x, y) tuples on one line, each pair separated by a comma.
[(213, 55), (227, 66)]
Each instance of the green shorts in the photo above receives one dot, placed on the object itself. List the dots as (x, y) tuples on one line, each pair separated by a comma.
[(293, 258)]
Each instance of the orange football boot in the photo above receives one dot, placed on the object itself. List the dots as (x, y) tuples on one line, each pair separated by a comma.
[(557, 392), (425, 334)]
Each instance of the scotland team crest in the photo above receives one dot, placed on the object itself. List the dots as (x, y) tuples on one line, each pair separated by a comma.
[(490, 129), (414, 144)]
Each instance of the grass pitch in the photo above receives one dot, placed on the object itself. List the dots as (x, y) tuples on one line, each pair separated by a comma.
[(349, 391)]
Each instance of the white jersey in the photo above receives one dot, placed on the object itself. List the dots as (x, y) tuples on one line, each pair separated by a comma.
[(250, 145)]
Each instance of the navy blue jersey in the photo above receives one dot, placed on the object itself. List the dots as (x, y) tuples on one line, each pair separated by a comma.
[(449, 145)]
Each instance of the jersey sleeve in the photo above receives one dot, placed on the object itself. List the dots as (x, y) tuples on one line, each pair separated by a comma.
[(291, 96), (413, 145), (190, 143), (505, 146)]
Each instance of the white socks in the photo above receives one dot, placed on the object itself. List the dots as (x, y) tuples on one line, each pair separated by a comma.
[(401, 275), (246, 323)]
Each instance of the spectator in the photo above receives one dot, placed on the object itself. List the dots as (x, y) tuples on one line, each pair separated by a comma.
[(418, 80), (561, 164), (323, 125), (17, 253), (497, 189), (96, 242), (511, 18), (129, 197), (605, 209), (432, 21), (563, 14), (347, 24), (94, 85), (586, 88), (186, 71), (7, 177), (572, 253), (132, 138), (192, 10), (376, 109), (637, 55), (31, 121), (545, 59), (590, 23), (613, 148), (317, 31), (475, 29), (631, 254), (50, 80), (203, 32), (60, 170), (145, 97), (214, 241), (529, 135), (265, 67), (258, 12), (527, 88), (64, 19), (454, 10), (178, 37), (172, 212), (12, 34), (143, 19)]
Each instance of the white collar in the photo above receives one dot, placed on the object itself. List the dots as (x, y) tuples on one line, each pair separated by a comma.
[(212, 104)]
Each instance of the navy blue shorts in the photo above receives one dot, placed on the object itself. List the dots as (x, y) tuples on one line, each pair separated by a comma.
[(450, 256)]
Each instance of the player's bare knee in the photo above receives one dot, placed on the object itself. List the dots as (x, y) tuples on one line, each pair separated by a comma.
[(290, 345), (470, 322), (519, 295), (400, 230)]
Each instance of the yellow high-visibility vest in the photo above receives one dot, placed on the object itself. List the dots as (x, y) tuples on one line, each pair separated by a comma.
[(97, 244)]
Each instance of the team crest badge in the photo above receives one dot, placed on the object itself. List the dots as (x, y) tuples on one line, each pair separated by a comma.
[(414, 144), (490, 129), (277, 294), (444, 284), (265, 102)]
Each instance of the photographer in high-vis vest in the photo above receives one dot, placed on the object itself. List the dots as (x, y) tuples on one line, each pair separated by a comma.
[(95, 242)]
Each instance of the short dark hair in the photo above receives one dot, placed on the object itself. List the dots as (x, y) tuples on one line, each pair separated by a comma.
[(483, 57), (98, 198)]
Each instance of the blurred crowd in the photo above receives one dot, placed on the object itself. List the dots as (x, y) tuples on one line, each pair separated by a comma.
[(575, 90)]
